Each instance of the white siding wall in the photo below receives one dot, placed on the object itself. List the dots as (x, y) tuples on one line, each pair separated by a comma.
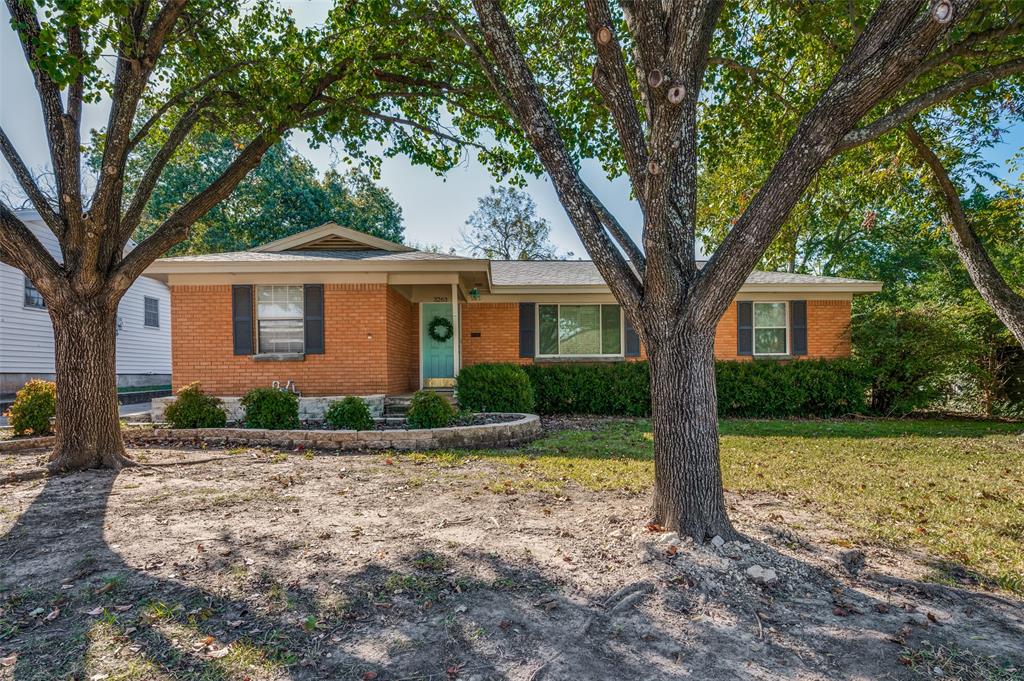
[(26, 337)]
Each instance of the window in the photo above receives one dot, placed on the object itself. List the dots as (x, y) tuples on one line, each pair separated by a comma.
[(770, 326), (579, 330), (33, 298), (151, 312), (280, 324)]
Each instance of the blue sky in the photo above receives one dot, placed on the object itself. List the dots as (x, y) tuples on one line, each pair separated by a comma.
[(435, 208)]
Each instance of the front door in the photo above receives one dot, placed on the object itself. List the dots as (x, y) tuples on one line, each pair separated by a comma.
[(437, 348)]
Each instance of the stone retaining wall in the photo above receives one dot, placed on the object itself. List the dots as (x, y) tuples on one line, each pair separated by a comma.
[(21, 444), (523, 429), (310, 408)]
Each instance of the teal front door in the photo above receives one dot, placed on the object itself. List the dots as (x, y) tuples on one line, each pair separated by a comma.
[(437, 356)]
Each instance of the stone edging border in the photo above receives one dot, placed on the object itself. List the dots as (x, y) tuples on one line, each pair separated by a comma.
[(24, 443), (526, 427)]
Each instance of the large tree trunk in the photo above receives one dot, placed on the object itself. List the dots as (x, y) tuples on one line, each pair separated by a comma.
[(688, 496), (88, 429)]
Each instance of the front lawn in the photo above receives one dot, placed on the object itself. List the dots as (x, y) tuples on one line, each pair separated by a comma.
[(953, 488)]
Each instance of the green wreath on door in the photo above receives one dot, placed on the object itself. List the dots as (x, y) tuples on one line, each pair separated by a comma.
[(440, 329)]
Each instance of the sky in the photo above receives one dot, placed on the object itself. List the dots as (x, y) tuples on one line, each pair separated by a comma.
[(434, 208)]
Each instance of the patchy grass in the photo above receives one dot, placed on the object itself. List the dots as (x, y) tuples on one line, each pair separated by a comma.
[(960, 665), (953, 488)]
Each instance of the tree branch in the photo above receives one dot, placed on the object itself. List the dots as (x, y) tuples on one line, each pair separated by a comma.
[(621, 236), (612, 82), (886, 53), (156, 166), (543, 135), (1007, 303), (29, 186), (63, 156), (20, 248), (942, 93)]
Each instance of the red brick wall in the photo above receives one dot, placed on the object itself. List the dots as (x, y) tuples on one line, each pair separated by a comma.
[(828, 328), (353, 362), (371, 341), (498, 326), (403, 344), (828, 323)]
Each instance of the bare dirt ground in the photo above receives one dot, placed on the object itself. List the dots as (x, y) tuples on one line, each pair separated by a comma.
[(265, 565)]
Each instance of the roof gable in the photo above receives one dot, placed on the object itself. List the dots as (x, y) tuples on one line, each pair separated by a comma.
[(331, 237)]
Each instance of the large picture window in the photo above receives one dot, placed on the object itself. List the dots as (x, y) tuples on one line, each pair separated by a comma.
[(579, 330), (770, 326), (280, 325)]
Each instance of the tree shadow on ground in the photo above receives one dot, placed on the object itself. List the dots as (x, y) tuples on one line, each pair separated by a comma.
[(426, 613)]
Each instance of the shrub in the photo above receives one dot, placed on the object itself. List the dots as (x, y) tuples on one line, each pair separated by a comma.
[(427, 409), (195, 409), (34, 406), (619, 389), (271, 408), (908, 353), (350, 413), (495, 387), (820, 388), (758, 389)]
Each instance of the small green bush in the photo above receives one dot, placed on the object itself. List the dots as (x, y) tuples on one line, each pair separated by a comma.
[(271, 408), (427, 409), (350, 413), (34, 406), (495, 388), (195, 409)]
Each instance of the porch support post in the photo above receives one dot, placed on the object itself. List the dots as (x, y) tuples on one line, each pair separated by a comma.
[(457, 326)]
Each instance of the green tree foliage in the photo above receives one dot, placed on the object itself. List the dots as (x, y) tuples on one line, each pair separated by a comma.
[(281, 196), (505, 226)]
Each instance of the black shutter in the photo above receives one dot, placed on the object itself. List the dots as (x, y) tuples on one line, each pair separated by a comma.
[(798, 327), (744, 327), (313, 309), (241, 319), (527, 329), (632, 340)]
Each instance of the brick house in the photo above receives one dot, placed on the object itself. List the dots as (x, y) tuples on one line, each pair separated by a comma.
[(338, 312)]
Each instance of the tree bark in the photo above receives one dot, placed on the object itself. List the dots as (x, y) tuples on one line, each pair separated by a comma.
[(1005, 302), (88, 431), (688, 494)]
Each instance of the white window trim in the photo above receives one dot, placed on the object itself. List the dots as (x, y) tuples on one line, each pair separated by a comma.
[(144, 324), (753, 328), (256, 320), (536, 332), (24, 305)]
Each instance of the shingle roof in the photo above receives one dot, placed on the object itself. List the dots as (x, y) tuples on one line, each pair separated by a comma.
[(584, 273), (314, 256)]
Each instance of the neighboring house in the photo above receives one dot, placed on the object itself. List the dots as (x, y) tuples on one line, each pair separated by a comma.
[(339, 312), (26, 334)]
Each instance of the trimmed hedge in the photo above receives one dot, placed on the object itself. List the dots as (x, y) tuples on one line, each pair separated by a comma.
[(751, 389), (620, 388), (808, 387), (495, 388)]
